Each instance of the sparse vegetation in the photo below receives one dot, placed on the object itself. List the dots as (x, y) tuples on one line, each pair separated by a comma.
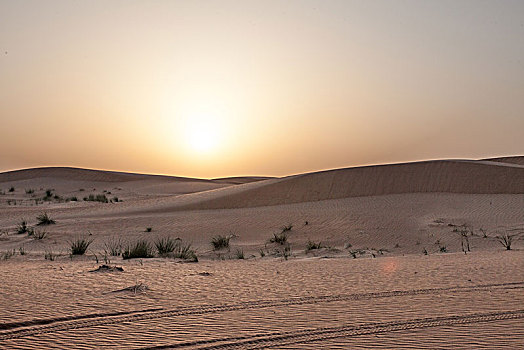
[(22, 227), (44, 219), (185, 252), (48, 195), (506, 240), (279, 238), (220, 242), (96, 198), (29, 191), (239, 254), (310, 245), (79, 245), (165, 245), (140, 249), (38, 234)]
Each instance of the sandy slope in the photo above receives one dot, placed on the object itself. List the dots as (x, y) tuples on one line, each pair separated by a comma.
[(392, 212), (510, 160), (414, 302)]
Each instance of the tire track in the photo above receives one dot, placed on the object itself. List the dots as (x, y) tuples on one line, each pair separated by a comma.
[(260, 341), (40, 326)]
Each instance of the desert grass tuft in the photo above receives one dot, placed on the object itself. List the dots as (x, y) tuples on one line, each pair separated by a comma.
[(37, 234), (79, 245), (310, 245), (279, 238), (185, 252), (97, 198), (44, 219), (166, 245), (220, 242), (140, 249), (22, 227), (239, 254)]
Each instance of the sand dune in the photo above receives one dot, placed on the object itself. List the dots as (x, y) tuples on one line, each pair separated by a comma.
[(68, 180), (512, 160), (445, 176)]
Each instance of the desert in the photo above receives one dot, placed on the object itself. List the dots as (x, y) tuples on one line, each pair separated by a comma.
[(261, 174), (365, 257)]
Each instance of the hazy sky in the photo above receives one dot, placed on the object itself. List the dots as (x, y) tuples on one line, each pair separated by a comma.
[(222, 88)]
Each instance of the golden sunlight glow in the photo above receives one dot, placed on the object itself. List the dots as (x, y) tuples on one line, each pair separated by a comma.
[(202, 132)]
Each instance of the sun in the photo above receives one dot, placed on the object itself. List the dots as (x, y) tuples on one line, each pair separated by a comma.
[(203, 133)]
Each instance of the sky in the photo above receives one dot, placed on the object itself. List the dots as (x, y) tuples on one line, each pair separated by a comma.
[(227, 88)]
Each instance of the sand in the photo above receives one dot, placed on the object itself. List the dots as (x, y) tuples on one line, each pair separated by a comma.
[(370, 285)]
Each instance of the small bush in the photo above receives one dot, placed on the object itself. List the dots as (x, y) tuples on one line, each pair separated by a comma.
[(98, 198), (310, 245), (22, 227), (239, 254), (21, 250), (38, 234), (506, 240), (116, 200), (11, 189), (73, 199), (29, 191), (140, 249), (279, 238), (185, 252), (149, 229), (44, 219), (166, 245), (220, 242), (79, 246), (443, 249)]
